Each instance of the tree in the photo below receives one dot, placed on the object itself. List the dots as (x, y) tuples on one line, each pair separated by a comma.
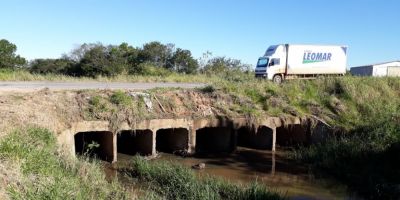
[(8, 58), (156, 53), (223, 64), (183, 62), (97, 59), (79, 52), (230, 69), (55, 66), (95, 62)]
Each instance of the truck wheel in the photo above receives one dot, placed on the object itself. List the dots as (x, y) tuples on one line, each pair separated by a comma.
[(277, 79)]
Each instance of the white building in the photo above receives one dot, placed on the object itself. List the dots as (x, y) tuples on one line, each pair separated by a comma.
[(379, 69)]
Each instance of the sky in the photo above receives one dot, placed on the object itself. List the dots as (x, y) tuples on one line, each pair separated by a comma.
[(240, 29)]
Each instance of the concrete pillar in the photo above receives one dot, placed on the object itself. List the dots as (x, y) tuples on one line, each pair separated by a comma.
[(154, 141), (192, 140), (273, 163), (115, 151), (273, 139)]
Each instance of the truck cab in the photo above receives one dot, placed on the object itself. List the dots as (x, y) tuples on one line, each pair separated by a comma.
[(273, 64)]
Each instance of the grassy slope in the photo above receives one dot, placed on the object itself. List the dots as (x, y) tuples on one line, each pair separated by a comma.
[(44, 173)]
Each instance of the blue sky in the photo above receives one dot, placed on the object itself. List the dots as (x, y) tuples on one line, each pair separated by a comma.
[(234, 28)]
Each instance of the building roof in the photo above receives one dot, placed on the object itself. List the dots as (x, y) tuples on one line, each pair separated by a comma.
[(377, 64)]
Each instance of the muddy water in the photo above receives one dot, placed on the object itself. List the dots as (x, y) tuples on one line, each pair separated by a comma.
[(271, 169)]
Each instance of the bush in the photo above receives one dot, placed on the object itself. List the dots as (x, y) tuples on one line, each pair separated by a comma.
[(149, 69), (54, 66), (121, 98)]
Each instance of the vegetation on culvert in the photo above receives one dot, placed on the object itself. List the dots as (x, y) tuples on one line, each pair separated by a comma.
[(120, 98)]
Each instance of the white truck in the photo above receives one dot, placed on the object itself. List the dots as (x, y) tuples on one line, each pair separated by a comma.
[(291, 61)]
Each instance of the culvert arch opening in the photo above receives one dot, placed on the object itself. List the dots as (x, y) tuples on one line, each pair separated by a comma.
[(215, 140), (95, 144), (171, 140), (134, 142), (260, 138), (293, 135)]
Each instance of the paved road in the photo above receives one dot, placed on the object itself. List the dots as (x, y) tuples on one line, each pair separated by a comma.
[(37, 85)]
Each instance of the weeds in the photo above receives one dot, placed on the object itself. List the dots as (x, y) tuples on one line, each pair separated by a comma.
[(208, 89), (173, 181), (364, 159), (121, 98), (46, 174), (98, 105)]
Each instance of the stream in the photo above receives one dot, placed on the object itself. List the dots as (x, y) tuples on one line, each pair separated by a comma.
[(248, 165)]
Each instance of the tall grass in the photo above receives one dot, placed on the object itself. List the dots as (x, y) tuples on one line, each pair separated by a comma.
[(47, 174), (172, 181), (24, 75), (364, 157)]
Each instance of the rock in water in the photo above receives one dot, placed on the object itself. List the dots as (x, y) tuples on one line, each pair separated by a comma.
[(199, 166)]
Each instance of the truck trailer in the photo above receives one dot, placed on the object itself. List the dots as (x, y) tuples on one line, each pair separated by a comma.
[(292, 61)]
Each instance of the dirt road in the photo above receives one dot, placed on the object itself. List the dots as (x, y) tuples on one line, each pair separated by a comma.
[(38, 85)]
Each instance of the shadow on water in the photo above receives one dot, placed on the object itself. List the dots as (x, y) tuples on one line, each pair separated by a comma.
[(254, 161)]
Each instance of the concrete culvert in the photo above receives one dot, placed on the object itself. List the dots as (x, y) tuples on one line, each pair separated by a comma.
[(98, 144), (292, 135), (256, 139), (135, 142), (172, 139), (215, 140)]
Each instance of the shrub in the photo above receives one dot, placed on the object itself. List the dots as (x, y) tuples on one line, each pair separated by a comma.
[(121, 98)]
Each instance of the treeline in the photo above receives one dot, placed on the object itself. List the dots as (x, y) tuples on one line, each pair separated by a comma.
[(97, 59)]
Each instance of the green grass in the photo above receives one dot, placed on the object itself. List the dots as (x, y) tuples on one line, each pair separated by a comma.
[(343, 102), (24, 75), (367, 159), (47, 174), (121, 98), (172, 181)]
